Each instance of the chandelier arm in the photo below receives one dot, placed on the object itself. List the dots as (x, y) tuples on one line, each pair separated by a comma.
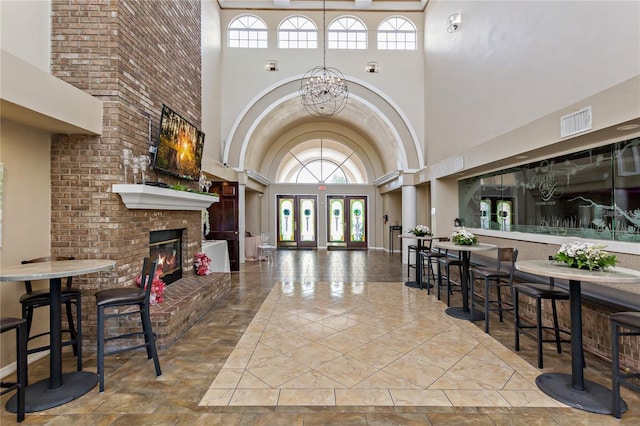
[(324, 91)]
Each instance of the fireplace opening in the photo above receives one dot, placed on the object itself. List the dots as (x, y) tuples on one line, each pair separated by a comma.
[(166, 246)]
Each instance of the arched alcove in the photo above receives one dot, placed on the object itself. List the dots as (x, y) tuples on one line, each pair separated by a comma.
[(370, 123)]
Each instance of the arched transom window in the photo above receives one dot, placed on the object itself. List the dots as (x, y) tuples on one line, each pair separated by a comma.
[(397, 33), (297, 32), (321, 161), (347, 32), (247, 31)]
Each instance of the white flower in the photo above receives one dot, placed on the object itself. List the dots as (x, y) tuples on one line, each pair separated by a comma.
[(205, 221)]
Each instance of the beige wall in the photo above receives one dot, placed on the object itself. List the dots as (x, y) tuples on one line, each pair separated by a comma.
[(26, 215), (25, 31)]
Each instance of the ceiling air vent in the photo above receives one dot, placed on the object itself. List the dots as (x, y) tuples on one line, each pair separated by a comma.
[(575, 123)]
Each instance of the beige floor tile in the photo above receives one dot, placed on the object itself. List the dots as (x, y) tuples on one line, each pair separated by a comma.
[(313, 355), (312, 380), (279, 370), (257, 397), (419, 398), (532, 398), (476, 398), (347, 371), (376, 397), (307, 397), (227, 378), (217, 397)]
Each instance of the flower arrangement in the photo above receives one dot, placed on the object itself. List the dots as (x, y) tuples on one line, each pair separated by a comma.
[(463, 237), (420, 231), (205, 221), (585, 256), (157, 288), (202, 262)]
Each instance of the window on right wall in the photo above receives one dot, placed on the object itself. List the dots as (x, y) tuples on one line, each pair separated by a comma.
[(591, 194)]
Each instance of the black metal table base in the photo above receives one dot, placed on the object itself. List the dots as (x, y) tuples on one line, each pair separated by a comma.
[(415, 284), (595, 398), (459, 312), (39, 397)]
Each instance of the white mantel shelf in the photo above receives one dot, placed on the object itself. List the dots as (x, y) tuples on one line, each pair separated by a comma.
[(156, 198)]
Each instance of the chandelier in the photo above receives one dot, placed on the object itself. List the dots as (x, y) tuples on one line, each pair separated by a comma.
[(324, 89)]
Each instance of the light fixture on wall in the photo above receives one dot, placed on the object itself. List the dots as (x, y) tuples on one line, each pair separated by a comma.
[(271, 65), (453, 22), (324, 90), (372, 67)]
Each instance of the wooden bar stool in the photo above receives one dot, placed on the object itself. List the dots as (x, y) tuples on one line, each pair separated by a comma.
[(20, 326), (629, 321)]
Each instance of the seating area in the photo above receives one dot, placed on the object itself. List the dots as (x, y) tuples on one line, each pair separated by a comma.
[(188, 373)]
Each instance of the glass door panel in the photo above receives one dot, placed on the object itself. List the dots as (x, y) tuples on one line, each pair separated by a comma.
[(286, 221), (357, 226), (336, 220), (347, 228), (307, 221), (297, 221)]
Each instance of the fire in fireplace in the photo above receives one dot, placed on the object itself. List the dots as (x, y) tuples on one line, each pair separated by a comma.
[(166, 246)]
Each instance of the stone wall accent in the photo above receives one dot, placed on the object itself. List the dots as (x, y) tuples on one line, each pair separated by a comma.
[(135, 56)]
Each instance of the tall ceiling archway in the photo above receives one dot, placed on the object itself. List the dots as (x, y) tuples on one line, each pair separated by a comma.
[(371, 125)]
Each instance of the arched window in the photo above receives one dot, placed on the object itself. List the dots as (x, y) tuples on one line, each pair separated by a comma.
[(247, 31), (321, 161), (297, 32), (347, 32), (397, 33)]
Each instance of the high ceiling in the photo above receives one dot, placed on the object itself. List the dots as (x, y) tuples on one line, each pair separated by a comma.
[(377, 5)]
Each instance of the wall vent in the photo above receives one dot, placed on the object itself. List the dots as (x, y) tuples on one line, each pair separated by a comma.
[(574, 123)]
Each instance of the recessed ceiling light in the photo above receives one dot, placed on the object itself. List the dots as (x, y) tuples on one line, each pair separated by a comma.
[(521, 157), (628, 127)]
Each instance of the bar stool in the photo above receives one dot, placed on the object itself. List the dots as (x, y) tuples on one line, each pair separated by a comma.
[(20, 325), (128, 296), (34, 299), (447, 262), (431, 256), (540, 292), (629, 321), (497, 278)]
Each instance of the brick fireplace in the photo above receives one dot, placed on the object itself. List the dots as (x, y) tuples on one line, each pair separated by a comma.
[(111, 50)]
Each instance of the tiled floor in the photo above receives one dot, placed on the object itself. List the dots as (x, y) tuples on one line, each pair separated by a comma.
[(319, 338)]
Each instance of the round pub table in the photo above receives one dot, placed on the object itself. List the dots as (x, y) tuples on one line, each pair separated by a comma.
[(572, 389), (59, 388), (463, 312), (418, 282)]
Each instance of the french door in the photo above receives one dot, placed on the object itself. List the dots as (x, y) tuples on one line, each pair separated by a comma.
[(347, 221), (297, 221)]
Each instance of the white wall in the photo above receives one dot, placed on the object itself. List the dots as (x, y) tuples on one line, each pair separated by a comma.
[(512, 62), (211, 83), (244, 75)]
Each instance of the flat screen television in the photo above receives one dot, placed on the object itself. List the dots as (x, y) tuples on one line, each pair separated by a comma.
[(179, 147)]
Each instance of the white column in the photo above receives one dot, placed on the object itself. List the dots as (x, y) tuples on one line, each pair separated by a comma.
[(408, 218), (242, 226)]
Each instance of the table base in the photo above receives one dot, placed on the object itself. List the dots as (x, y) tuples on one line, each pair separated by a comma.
[(39, 397), (595, 398), (415, 284), (460, 313)]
